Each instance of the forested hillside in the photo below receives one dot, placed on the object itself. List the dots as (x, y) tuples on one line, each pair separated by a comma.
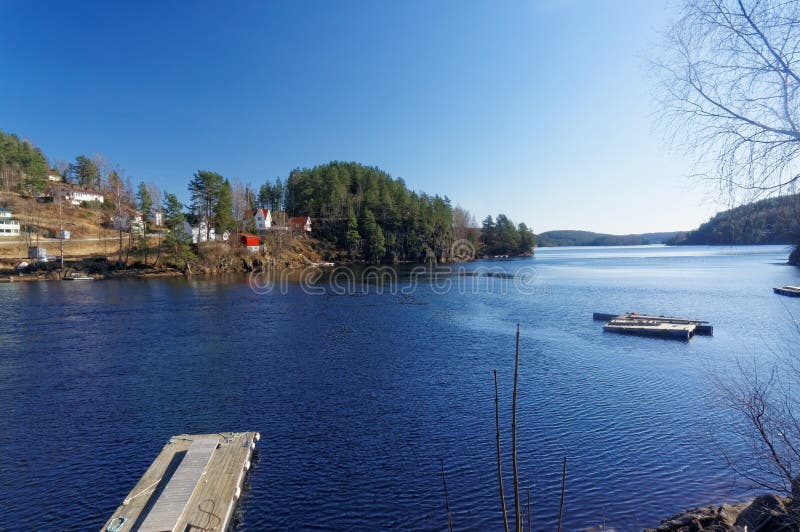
[(370, 213), (22, 165), (502, 237), (588, 238), (362, 210), (769, 221)]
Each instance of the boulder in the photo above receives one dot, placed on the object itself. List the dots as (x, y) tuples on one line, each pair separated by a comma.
[(709, 518), (766, 512)]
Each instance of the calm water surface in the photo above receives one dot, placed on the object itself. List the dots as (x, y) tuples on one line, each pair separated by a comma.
[(358, 396)]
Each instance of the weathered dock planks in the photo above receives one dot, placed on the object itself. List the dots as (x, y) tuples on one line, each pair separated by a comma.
[(657, 326), (791, 291), (194, 483)]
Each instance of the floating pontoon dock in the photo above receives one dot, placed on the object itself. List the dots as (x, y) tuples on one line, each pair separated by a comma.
[(792, 291), (659, 326), (193, 484)]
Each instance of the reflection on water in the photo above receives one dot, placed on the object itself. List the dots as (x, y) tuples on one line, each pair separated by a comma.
[(358, 394)]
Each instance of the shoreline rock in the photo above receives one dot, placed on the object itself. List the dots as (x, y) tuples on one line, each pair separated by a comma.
[(763, 513)]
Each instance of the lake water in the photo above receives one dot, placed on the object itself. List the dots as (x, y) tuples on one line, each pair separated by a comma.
[(359, 391)]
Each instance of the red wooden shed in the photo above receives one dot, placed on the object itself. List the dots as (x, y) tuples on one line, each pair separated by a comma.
[(250, 240)]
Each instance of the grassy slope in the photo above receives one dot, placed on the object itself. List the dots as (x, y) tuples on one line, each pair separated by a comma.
[(80, 221), (85, 223)]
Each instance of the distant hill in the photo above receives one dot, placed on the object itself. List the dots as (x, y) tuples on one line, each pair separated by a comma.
[(588, 238), (769, 221)]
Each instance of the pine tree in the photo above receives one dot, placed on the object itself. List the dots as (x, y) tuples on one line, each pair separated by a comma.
[(376, 244), (145, 204), (506, 236), (265, 196), (84, 172), (488, 234), (527, 240), (353, 238), (177, 240), (205, 189), (223, 209)]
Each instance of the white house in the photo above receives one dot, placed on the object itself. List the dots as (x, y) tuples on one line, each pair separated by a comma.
[(157, 218), (76, 196), (137, 224), (53, 176), (8, 225), (137, 221), (263, 219), (200, 232)]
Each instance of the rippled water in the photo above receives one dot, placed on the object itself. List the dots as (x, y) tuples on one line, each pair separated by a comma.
[(359, 395)]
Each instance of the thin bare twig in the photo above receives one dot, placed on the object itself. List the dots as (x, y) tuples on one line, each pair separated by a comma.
[(517, 513), (499, 467), (530, 517), (446, 499), (563, 491)]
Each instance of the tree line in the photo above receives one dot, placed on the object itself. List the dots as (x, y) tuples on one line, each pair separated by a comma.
[(502, 237), (361, 209), (371, 214), (769, 221), (23, 166)]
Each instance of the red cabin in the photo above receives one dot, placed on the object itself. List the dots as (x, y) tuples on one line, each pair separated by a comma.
[(250, 241)]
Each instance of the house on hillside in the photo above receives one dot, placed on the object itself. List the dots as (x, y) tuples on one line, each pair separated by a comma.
[(137, 224), (301, 224), (9, 226), (200, 232), (157, 218), (76, 196), (53, 176), (263, 219), (251, 242)]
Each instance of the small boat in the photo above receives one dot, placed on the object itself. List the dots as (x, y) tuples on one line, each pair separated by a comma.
[(788, 290), (78, 277)]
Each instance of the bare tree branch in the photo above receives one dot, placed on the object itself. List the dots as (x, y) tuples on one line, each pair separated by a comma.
[(731, 92)]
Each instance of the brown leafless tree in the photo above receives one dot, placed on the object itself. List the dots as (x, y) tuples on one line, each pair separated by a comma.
[(730, 72), (240, 204), (763, 402), (461, 222), (104, 169)]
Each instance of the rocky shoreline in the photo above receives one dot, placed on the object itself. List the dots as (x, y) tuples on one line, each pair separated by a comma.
[(143, 273), (762, 514)]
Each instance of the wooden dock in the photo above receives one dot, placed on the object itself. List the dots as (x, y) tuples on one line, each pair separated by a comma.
[(193, 484), (791, 291), (658, 326)]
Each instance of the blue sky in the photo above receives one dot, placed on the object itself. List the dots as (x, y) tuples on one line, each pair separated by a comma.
[(542, 110)]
